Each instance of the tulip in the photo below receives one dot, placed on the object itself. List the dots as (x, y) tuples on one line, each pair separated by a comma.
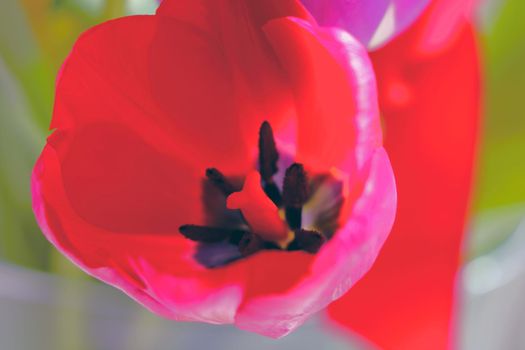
[(219, 161)]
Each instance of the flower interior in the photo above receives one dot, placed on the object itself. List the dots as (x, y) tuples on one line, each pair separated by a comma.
[(295, 212)]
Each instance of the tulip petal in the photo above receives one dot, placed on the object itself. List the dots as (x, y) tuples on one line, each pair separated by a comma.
[(334, 90), (431, 105), (131, 71), (443, 24), (373, 23), (235, 26)]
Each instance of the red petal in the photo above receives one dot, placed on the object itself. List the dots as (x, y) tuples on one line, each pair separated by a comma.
[(334, 88), (444, 21), (407, 299), (146, 74), (235, 27)]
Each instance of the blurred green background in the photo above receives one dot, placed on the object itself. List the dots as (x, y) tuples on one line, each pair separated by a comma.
[(36, 36)]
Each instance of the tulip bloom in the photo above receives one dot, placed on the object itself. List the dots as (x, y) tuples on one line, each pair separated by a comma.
[(220, 161), (429, 88)]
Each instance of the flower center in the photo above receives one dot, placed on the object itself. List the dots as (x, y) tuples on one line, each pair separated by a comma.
[(264, 214)]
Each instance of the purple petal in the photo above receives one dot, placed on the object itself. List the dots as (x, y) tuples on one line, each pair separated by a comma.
[(373, 22)]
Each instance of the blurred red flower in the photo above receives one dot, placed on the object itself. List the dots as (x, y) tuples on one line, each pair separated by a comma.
[(160, 121), (429, 88)]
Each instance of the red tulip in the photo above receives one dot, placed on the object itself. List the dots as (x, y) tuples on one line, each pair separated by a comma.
[(429, 86), (220, 161)]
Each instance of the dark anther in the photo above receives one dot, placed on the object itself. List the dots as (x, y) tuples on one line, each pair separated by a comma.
[(272, 191), (250, 243), (210, 234), (227, 236), (309, 241), (220, 181), (294, 217), (295, 194), (295, 188), (268, 157)]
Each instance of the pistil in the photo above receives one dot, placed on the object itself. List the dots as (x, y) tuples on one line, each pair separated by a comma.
[(307, 240), (259, 211)]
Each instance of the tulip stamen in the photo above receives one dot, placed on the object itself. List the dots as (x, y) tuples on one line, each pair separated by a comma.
[(268, 158), (211, 234), (308, 240), (220, 181), (251, 243), (295, 194), (300, 214)]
